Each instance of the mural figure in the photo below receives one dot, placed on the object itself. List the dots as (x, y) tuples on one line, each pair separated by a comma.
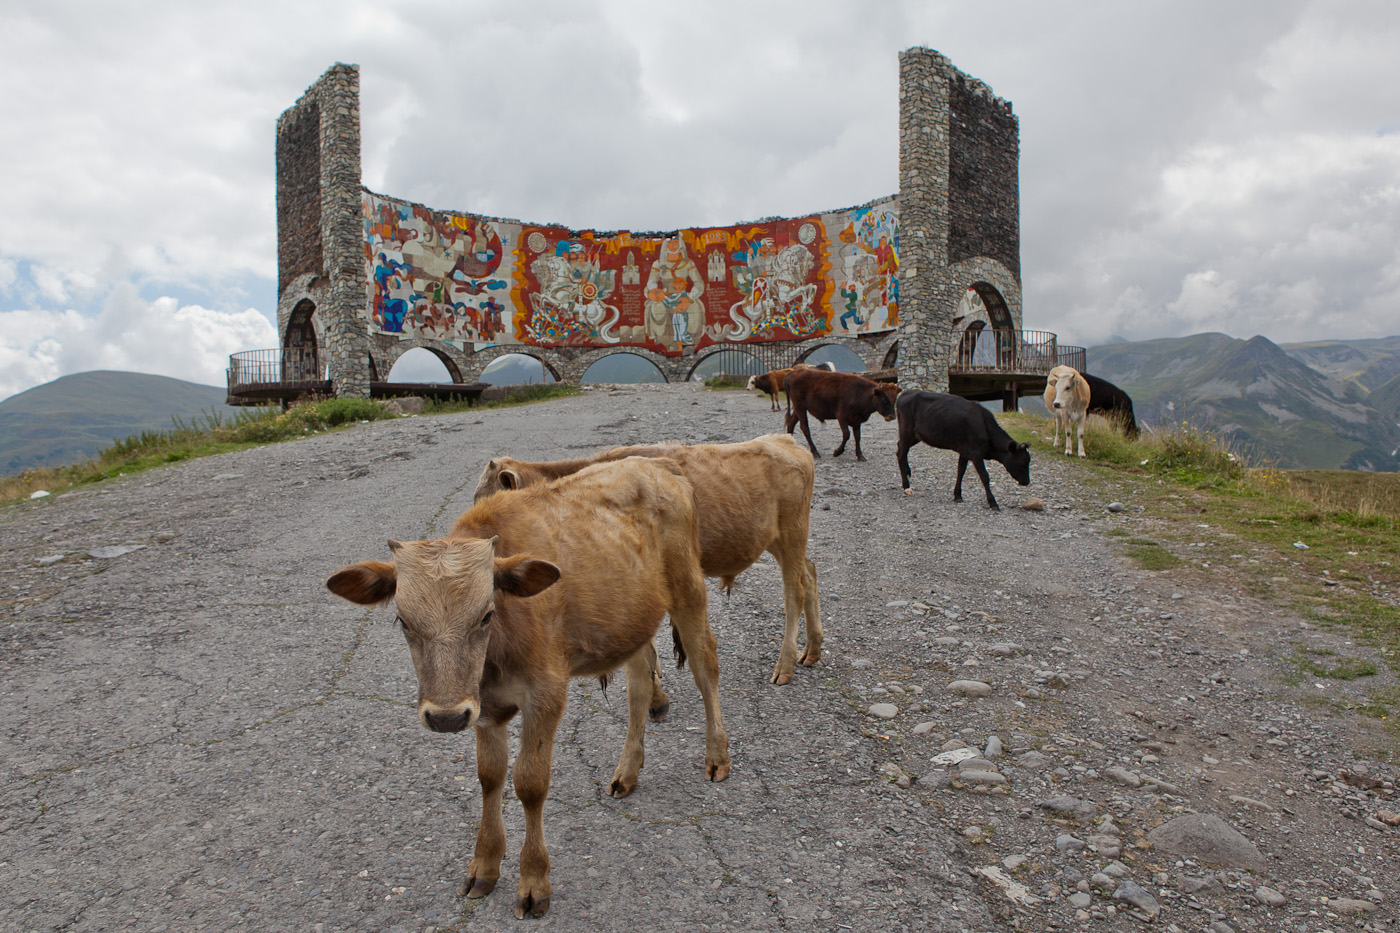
[(673, 307), (778, 292), (871, 259), (571, 306)]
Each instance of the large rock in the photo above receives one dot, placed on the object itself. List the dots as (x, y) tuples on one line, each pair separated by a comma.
[(1206, 838)]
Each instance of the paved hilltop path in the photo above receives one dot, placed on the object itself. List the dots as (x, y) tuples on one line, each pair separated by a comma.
[(197, 736)]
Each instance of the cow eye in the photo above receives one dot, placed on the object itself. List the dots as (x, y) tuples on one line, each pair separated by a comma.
[(486, 619)]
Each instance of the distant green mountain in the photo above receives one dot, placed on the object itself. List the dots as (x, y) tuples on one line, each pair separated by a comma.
[(73, 417), (1268, 401), (1368, 363)]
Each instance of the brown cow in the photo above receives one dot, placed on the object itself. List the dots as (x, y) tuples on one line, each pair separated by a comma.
[(568, 579), (775, 380), (752, 497), (848, 398)]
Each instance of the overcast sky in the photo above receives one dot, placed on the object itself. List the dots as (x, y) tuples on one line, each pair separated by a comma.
[(1185, 166)]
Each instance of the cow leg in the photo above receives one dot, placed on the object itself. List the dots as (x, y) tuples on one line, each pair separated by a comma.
[(1079, 430), (901, 454), (639, 674), (660, 702), (801, 414), (532, 771), (855, 429), (957, 487), (1069, 435), (492, 758), (690, 617), (794, 569), (845, 437), (986, 484), (812, 610)]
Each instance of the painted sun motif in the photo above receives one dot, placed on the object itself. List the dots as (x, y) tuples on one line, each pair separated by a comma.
[(807, 234), (537, 242)]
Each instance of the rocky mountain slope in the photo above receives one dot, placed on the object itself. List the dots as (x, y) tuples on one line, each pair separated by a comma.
[(1269, 403)]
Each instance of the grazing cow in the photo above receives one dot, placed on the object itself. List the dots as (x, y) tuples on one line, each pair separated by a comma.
[(752, 497), (1113, 402), (848, 398), (963, 426), (567, 579), (775, 380), (1067, 398)]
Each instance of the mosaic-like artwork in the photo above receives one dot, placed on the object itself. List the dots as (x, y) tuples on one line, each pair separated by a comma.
[(465, 279)]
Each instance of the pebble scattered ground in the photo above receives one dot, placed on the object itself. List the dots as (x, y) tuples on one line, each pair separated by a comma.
[(1011, 727)]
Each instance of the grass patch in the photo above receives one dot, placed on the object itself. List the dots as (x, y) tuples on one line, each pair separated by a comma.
[(1152, 556), (1326, 664), (727, 382)]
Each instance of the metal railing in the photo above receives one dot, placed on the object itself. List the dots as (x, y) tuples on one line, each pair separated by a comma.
[(1031, 352), (260, 369)]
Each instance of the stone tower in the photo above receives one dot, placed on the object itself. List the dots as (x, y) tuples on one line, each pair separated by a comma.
[(959, 210)]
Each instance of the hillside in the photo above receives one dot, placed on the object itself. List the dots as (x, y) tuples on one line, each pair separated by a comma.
[(73, 417), (1367, 363), (1268, 401)]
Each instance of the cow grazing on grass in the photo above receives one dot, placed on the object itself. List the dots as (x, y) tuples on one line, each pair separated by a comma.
[(1067, 398), (752, 497), (962, 426), (775, 380), (848, 398), (567, 579), (1112, 402)]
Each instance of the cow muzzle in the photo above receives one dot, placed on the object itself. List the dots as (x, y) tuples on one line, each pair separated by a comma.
[(448, 718)]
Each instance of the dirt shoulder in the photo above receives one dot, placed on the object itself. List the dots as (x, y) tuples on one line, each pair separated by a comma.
[(197, 735)]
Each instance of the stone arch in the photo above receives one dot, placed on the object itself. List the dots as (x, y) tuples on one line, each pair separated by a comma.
[(628, 352), (715, 350), (487, 355), (454, 369), (891, 359), (840, 344)]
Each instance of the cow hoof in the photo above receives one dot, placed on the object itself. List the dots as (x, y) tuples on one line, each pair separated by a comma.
[(475, 887), (860, 458), (533, 907), (620, 788), (809, 658), (908, 492), (658, 712), (717, 773), (780, 678)]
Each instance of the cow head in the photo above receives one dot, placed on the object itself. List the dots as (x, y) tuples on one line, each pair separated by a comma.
[(752, 383), (885, 395), (1068, 391), (497, 475), (447, 593), (1018, 462)]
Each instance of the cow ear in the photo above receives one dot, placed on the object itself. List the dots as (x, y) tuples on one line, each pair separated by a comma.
[(509, 479), (368, 584), (524, 576)]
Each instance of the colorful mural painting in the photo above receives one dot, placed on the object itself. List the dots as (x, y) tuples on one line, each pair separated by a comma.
[(466, 279)]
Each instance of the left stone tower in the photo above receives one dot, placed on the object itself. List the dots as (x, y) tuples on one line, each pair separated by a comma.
[(320, 231)]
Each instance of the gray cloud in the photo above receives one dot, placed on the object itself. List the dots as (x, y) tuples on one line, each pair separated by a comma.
[(1185, 166)]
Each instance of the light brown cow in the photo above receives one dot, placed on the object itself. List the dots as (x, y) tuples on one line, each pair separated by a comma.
[(567, 579), (1067, 399), (753, 496)]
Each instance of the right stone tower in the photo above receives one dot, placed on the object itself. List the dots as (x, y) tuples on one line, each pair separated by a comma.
[(959, 212)]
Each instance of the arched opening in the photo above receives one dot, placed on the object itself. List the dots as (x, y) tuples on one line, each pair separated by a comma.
[(299, 362), (516, 369), (844, 359), (891, 359), (734, 363), (623, 368), (421, 365)]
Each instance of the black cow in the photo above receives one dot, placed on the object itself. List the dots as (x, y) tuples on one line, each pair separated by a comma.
[(848, 398), (1106, 397), (964, 427)]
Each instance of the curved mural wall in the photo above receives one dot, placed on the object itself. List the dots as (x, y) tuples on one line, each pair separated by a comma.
[(476, 281)]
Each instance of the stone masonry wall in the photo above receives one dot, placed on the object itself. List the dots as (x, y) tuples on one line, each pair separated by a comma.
[(983, 193)]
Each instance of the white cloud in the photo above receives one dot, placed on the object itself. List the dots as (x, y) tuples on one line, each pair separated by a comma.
[(131, 334)]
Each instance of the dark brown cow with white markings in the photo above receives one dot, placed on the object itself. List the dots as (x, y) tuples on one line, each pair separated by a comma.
[(848, 398)]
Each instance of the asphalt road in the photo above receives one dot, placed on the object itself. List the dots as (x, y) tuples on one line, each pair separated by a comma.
[(198, 736)]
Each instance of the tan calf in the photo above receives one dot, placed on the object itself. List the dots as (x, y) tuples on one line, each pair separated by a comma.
[(566, 579), (1067, 399), (752, 497)]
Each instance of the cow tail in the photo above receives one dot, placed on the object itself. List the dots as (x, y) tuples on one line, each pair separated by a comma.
[(679, 648)]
